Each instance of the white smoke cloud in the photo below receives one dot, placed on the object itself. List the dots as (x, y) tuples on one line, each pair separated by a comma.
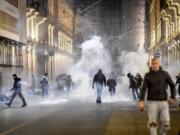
[(94, 57), (134, 62), (131, 62)]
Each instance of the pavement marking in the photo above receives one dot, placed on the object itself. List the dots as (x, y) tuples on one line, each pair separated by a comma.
[(15, 128), (25, 123)]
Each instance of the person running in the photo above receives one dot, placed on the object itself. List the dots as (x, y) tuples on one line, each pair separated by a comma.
[(16, 91)]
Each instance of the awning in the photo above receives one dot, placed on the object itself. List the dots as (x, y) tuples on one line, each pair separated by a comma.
[(11, 42)]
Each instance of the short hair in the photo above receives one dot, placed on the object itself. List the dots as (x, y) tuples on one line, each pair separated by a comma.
[(14, 75), (155, 59)]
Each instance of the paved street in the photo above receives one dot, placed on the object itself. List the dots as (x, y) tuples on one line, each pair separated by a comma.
[(77, 118), (59, 56)]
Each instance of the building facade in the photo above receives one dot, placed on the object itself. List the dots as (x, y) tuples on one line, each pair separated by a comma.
[(163, 30), (50, 37), (12, 37)]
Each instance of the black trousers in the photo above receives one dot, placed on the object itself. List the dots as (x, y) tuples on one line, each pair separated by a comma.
[(20, 96), (112, 91)]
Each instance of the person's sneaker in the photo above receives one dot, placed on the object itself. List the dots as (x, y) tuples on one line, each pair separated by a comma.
[(24, 105), (8, 104), (98, 101)]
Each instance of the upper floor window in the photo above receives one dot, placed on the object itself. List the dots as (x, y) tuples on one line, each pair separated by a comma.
[(13, 2)]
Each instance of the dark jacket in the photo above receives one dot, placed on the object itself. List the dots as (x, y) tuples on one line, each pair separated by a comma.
[(69, 82), (155, 83), (132, 81), (99, 78), (17, 85), (111, 83), (44, 82), (178, 80), (139, 81)]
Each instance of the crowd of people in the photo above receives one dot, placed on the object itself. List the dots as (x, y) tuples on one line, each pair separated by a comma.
[(154, 85), (44, 85), (99, 81)]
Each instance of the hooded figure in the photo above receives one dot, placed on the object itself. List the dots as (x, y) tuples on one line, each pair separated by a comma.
[(16, 91), (138, 81), (178, 83), (111, 83), (113, 76), (69, 84), (99, 80), (133, 86), (44, 85)]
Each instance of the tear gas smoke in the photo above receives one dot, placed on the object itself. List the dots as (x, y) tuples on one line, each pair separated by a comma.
[(95, 56)]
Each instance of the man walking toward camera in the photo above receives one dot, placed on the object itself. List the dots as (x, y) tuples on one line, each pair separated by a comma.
[(155, 84)]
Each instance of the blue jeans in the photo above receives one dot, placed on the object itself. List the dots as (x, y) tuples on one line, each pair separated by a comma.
[(68, 90), (99, 89), (15, 93), (45, 91), (135, 93), (158, 111)]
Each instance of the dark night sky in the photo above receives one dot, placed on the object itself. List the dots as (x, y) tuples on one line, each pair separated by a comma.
[(117, 18)]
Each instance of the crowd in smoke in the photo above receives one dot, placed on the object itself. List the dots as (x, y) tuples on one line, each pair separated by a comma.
[(95, 57)]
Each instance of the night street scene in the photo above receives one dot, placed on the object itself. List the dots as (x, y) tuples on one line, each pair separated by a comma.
[(89, 67)]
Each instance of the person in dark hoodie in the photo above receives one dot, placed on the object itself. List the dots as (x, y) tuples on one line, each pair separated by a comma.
[(138, 80), (69, 84), (98, 81), (44, 85), (111, 83), (178, 83), (16, 91), (155, 85), (133, 86)]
